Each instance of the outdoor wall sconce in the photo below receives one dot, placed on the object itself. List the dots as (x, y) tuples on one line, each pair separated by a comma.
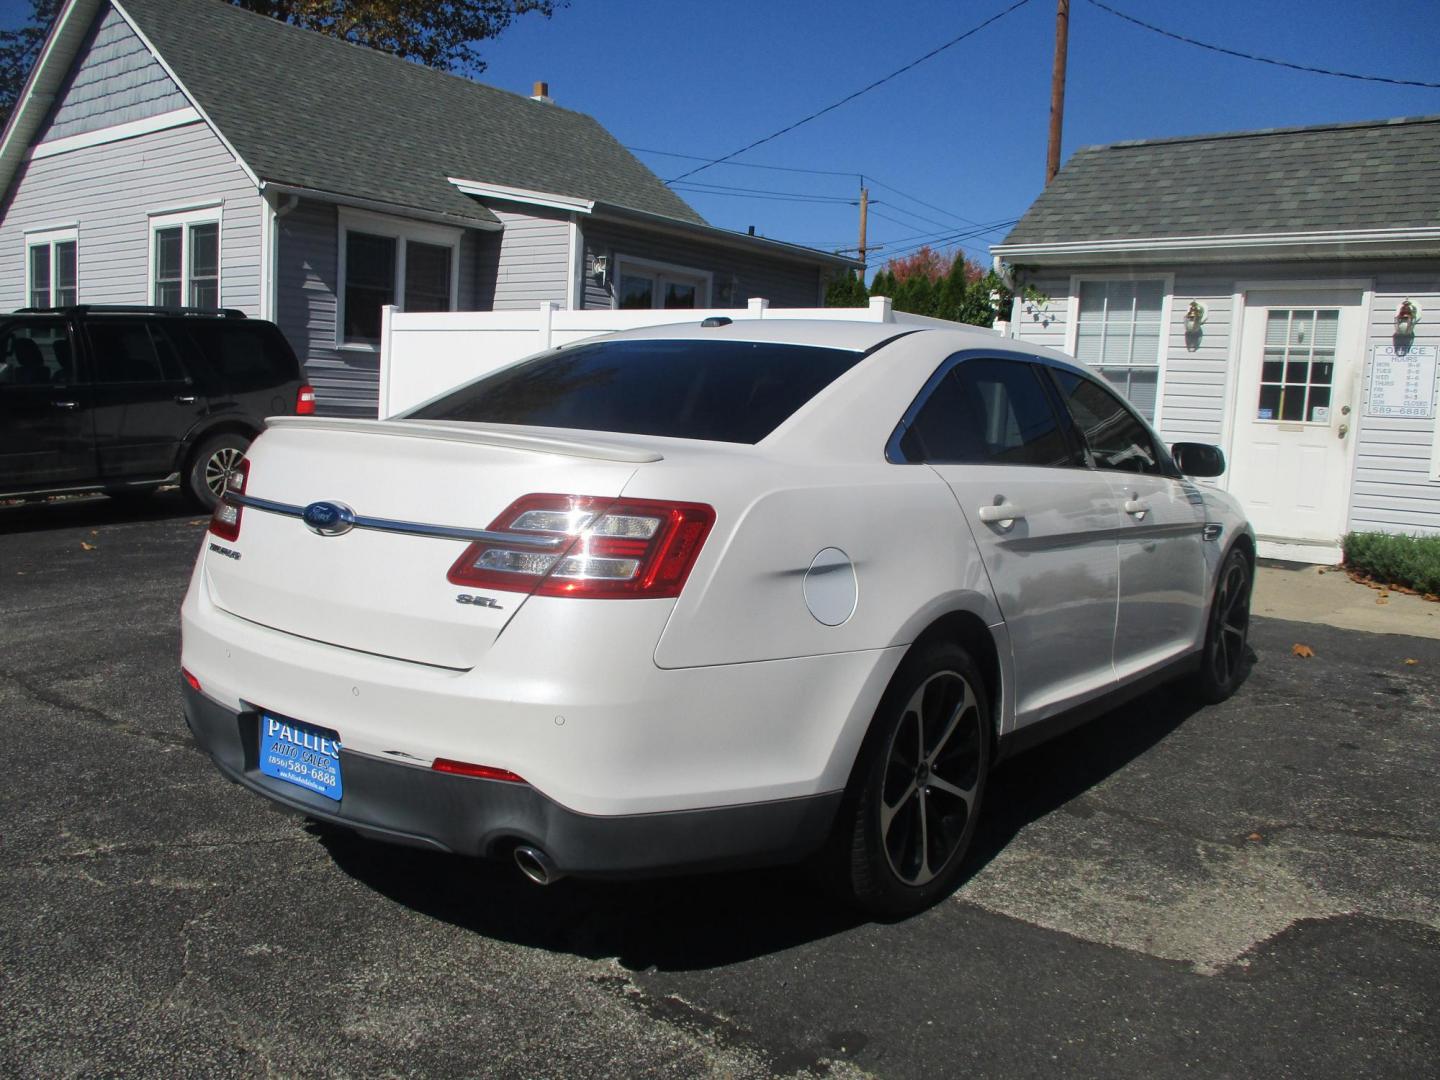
[(599, 266), (1406, 316), (1194, 317)]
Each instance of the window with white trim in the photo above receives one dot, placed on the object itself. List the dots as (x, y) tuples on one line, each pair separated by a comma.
[(1119, 334), (185, 259), (409, 264), (645, 285), (51, 268)]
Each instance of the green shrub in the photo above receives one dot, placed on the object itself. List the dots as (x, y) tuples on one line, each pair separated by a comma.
[(1412, 561)]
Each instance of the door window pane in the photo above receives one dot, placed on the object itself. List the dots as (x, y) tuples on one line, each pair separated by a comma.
[(1298, 365), (679, 294), (988, 412), (169, 266), (369, 284), (124, 351), (205, 265), (636, 291), (40, 275), (427, 277), (1117, 440)]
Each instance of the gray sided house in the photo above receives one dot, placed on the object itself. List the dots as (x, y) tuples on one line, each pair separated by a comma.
[(187, 152), (1274, 292)]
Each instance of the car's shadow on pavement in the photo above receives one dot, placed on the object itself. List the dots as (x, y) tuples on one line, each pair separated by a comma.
[(688, 923), (94, 511)]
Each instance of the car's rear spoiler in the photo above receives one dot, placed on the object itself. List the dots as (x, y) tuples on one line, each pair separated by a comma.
[(483, 434)]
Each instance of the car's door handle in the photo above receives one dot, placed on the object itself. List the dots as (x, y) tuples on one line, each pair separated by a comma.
[(184, 399), (1002, 514), (1136, 507), (65, 404)]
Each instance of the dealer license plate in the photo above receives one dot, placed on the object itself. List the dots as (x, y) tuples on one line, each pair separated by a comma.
[(299, 754)]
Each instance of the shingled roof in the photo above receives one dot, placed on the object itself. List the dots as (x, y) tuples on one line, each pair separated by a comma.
[(309, 111), (1383, 174)]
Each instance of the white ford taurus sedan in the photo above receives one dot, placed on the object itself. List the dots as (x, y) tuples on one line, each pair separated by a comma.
[(696, 597)]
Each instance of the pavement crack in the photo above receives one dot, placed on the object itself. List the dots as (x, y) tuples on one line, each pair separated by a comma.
[(55, 700)]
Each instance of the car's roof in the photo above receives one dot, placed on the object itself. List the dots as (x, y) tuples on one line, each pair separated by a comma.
[(845, 334)]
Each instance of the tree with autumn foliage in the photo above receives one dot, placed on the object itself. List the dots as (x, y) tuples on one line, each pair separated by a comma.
[(928, 282), (443, 34)]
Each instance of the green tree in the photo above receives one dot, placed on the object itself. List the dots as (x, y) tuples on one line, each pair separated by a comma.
[(846, 290), (437, 33), (18, 49)]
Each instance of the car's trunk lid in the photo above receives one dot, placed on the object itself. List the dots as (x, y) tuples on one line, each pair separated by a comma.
[(382, 587)]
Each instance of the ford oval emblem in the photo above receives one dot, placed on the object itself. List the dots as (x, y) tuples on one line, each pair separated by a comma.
[(328, 518)]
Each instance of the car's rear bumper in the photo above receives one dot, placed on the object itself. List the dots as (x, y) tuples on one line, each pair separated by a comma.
[(410, 804)]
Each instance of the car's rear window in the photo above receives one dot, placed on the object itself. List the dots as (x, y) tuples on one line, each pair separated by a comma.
[(727, 391), (246, 355)]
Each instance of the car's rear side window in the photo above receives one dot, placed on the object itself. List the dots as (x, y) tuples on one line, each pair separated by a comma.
[(246, 356), (727, 391)]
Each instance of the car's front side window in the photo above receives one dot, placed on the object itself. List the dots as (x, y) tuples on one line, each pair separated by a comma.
[(1115, 436), (988, 412)]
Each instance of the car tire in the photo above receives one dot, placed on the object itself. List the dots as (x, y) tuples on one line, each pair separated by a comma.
[(210, 465), (1226, 659), (910, 810)]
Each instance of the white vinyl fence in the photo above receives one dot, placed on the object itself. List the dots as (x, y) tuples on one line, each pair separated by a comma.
[(424, 354)]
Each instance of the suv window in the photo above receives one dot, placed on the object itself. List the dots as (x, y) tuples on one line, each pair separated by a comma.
[(35, 352), (1116, 437), (245, 355), (125, 351), (728, 391), (988, 412)]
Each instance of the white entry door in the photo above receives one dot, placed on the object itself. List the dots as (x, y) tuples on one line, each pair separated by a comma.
[(1296, 410)]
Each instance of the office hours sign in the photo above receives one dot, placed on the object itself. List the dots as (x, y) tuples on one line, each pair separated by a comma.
[(1402, 382)]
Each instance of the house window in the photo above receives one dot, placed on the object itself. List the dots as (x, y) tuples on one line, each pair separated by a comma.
[(391, 261), (1119, 334), (51, 273), (642, 285), (185, 259)]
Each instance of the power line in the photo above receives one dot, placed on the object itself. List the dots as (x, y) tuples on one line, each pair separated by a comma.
[(958, 239), (922, 202), (981, 229), (696, 184), (1262, 59), (851, 97), (770, 198), (746, 164)]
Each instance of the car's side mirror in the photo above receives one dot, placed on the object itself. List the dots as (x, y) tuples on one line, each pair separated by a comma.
[(1198, 459)]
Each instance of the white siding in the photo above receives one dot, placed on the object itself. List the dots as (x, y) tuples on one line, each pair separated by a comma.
[(108, 191), (117, 81), (527, 263), (1044, 322), (1391, 489)]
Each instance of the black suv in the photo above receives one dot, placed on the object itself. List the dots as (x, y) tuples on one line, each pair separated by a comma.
[(124, 399)]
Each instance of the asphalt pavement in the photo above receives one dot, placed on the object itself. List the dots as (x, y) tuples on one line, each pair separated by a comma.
[(1247, 889)]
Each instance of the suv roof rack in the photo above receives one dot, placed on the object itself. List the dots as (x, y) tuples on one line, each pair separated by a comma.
[(132, 309)]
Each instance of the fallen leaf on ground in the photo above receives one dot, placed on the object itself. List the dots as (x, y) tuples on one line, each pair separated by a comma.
[(1302, 651), (1254, 838), (86, 546), (1381, 600), (199, 521), (1411, 662)]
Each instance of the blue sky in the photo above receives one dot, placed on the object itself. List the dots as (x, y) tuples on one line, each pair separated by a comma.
[(963, 132)]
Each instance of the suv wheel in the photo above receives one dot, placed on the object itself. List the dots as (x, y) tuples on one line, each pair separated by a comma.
[(1226, 658), (915, 794), (210, 467)]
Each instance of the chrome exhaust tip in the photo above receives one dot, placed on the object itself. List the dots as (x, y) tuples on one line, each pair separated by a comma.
[(536, 865)]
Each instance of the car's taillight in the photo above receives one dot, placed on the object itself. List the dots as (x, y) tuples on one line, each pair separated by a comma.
[(480, 772), (305, 400), (588, 546), (225, 521)]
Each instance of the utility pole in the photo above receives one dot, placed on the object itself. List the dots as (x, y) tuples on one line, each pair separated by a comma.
[(1057, 87), (864, 213)]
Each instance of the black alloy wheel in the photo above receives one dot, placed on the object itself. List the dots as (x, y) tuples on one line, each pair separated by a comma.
[(918, 785), (1227, 656)]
